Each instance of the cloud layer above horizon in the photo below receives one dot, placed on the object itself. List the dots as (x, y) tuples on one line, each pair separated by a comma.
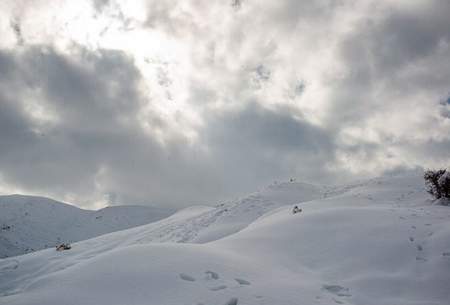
[(192, 102)]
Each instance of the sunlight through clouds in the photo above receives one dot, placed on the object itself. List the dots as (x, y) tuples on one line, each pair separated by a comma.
[(162, 83)]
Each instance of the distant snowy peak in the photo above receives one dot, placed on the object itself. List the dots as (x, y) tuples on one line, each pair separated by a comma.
[(18, 201), (29, 223)]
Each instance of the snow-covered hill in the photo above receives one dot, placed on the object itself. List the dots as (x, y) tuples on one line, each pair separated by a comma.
[(380, 241), (30, 223)]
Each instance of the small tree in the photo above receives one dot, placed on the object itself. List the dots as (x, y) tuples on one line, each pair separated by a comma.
[(444, 184), (438, 183)]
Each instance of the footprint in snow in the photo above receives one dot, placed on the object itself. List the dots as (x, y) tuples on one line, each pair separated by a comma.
[(446, 254), (411, 239), (232, 301), (211, 275), (221, 287), (186, 277), (9, 265), (337, 290), (422, 259), (419, 247), (242, 282)]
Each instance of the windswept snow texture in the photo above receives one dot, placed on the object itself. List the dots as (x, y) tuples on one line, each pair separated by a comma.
[(30, 223), (377, 242)]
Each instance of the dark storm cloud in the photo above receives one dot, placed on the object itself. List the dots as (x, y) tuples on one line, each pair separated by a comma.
[(92, 98), (260, 128), (14, 127), (390, 60), (15, 130), (96, 142), (92, 93), (382, 48), (260, 144), (396, 64)]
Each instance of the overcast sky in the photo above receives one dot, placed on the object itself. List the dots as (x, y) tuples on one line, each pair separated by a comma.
[(192, 102)]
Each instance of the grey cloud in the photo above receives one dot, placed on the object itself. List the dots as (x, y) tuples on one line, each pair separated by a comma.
[(236, 4), (259, 127), (16, 27), (398, 56), (399, 39), (246, 148), (14, 128), (100, 4), (91, 152), (384, 47), (384, 101), (260, 144), (91, 97)]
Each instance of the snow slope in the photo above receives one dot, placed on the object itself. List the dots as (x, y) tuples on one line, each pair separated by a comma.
[(374, 242), (30, 223)]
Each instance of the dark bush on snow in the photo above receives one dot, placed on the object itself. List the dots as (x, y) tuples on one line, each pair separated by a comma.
[(438, 183), (63, 247)]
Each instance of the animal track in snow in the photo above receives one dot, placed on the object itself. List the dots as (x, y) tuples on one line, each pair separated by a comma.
[(411, 238), (446, 254), (186, 277), (419, 247), (242, 282)]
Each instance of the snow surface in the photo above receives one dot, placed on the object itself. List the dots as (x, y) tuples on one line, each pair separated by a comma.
[(380, 241), (30, 223)]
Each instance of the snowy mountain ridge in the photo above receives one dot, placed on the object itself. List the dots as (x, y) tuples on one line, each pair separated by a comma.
[(380, 241), (29, 223)]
